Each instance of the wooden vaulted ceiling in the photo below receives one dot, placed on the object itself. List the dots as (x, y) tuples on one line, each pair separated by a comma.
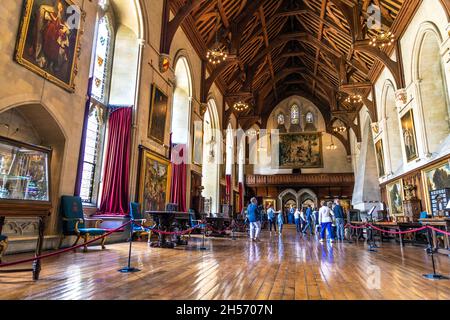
[(289, 47)]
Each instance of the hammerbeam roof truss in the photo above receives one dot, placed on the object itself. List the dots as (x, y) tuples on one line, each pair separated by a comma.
[(289, 45)]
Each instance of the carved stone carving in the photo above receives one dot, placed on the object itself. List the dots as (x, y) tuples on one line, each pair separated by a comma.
[(20, 227), (401, 98)]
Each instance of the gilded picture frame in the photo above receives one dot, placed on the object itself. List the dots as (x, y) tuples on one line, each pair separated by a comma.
[(37, 49), (379, 152), (197, 150), (409, 135), (306, 148), (154, 181), (427, 177), (395, 197), (268, 201), (159, 106)]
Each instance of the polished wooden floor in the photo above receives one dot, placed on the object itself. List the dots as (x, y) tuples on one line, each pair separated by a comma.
[(286, 267)]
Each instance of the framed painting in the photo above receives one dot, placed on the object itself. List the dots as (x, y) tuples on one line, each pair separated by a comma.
[(197, 150), (48, 38), (409, 135), (394, 192), (154, 184), (379, 152), (269, 201), (300, 150), (435, 178), (158, 112)]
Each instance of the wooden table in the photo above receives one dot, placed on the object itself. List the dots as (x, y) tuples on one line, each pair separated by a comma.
[(397, 227), (169, 221), (440, 223), (25, 209), (219, 224)]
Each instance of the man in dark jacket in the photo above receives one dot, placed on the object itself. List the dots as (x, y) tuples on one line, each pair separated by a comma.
[(309, 222), (339, 216)]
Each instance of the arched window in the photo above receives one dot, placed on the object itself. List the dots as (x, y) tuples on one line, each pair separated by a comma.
[(102, 63), (295, 114)]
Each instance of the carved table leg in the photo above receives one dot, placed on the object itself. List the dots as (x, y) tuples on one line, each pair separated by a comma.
[(37, 263)]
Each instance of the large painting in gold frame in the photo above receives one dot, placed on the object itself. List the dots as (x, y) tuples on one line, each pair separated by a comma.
[(409, 135), (154, 184), (158, 112), (435, 177), (394, 191), (300, 150), (48, 38), (269, 201)]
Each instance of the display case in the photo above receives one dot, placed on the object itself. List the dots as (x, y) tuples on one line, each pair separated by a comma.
[(24, 171), (25, 188)]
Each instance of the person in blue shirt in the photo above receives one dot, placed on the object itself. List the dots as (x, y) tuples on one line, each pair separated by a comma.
[(291, 215), (254, 219), (308, 218), (280, 223), (339, 216), (271, 215)]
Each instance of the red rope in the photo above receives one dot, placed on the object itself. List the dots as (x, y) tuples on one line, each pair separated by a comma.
[(439, 230), (48, 255), (397, 232), (355, 227)]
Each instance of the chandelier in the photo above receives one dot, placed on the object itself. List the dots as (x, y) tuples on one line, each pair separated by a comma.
[(354, 98), (340, 129), (216, 54), (382, 39), (240, 106), (332, 146)]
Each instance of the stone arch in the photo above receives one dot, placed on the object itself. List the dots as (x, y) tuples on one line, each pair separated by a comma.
[(305, 194), (427, 69), (37, 124), (391, 128), (283, 194)]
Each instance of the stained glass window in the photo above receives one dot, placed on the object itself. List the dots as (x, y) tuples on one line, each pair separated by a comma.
[(101, 60), (295, 114)]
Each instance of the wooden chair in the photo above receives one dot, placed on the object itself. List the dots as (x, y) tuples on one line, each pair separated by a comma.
[(74, 222), (136, 215), (3, 245)]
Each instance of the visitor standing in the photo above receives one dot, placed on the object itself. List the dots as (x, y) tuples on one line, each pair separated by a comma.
[(325, 220), (280, 223), (297, 220), (271, 217), (339, 216), (254, 218), (309, 218)]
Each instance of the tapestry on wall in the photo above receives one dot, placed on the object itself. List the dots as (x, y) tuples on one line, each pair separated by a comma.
[(409, 136), (158, 113), (48, 40), (300, 150), (154, 187)]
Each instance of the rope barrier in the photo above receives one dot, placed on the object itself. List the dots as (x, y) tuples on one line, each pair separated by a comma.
[(356, 227), (48, 255), (398, 232), (439, 230)]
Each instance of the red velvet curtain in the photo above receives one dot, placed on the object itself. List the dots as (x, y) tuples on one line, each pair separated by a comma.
[(228, 187), (178, 185), (116, 174), (241, 196)]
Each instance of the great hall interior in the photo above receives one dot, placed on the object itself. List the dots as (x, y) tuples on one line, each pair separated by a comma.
[(148, 148)]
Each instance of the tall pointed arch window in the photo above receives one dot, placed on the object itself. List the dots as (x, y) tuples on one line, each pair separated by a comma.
[(295, 114), (102, 63)]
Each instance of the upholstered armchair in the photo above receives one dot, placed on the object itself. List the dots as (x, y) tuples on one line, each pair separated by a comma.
[(3, 245), (74, 222), (136, 215)]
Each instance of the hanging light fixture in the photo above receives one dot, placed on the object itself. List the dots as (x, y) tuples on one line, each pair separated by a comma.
[(332, 146), (216, 54), (240, 106), (382, 39), (354, 98)]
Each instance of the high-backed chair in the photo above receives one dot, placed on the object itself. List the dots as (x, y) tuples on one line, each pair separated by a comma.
[(136, 215), (74, 222), (3, 245)]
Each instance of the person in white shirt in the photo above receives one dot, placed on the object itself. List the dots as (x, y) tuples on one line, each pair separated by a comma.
[(297, 220), (325, 220)]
